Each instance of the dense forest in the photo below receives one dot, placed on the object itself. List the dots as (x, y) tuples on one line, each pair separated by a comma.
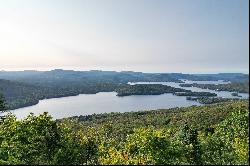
[(157, 89), (208, 94), (2, 103), (240, 87), (54, 76), (19, 94), (146, 89), (214, 134)]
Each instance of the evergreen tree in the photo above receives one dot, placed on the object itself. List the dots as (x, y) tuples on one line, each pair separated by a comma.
[(2, 103)]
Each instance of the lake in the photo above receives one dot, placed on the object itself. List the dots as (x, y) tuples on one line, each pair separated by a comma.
[(224, 94), (85, 104)]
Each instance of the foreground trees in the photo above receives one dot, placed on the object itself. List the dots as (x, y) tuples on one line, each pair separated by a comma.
[(40, 140), (215, 134)]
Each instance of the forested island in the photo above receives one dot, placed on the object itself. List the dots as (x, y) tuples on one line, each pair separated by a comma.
[(210, 100), (147, 89), (189, 93), (235, 94), (216, 134), (157, 89), (240, 87)]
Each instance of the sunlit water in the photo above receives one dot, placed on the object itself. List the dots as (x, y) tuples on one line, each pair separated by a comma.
[(85, 104)]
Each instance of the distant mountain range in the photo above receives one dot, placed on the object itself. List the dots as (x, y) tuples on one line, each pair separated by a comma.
[(122, 77)]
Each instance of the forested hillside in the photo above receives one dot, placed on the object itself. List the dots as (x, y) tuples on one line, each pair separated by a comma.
[(58, 77), (62, 78), (18, 94), (215, 134)]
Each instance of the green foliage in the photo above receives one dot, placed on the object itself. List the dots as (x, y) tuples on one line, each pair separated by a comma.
[(215, 134), (230, 142), (200, 117), (146, 89), (150, 146), (241, 87), (39, 140), (19, 94), (2, 103), (210, 100), (189, 138), (195, 94)]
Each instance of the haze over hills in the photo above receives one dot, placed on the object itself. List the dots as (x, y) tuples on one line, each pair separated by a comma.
[(124, 82), (24, 88), (99, 73)]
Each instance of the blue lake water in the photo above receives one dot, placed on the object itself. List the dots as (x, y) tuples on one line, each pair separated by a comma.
[(85, 104)]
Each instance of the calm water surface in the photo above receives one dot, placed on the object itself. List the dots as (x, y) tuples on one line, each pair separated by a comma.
[(85, 104), (224, 94)]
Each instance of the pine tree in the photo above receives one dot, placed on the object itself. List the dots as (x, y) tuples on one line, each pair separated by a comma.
[(2, 103)]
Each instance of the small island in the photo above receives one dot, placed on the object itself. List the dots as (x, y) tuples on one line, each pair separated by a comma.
[(210, 100), (157, 89), (147, 89), (236, 94), (195, 94), (186, 85)]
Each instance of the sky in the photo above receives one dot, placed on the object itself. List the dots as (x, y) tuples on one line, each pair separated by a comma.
[(188, 36)]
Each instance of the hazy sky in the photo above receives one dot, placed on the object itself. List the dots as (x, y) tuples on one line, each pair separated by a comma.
[(197, 36)]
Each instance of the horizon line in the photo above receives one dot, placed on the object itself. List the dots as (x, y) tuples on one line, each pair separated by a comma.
[(103, 70)]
